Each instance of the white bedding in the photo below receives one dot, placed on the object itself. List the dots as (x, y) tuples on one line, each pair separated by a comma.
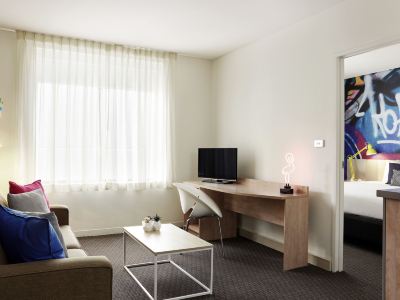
[(360, 198)]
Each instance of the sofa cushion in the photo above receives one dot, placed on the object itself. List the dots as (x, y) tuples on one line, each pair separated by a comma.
[(16, 188), (70, 240), (76, 253), (25, 238), (29, 201)]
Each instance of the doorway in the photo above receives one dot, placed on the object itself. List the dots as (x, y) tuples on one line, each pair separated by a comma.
[(369, 127)]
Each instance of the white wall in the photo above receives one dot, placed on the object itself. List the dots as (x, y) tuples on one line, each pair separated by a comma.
[(194, 114), (377, 60), (111, 210), (279, 93)]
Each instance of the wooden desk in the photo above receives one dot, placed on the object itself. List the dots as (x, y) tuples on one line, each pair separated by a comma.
[(391, 243), (261, 200)]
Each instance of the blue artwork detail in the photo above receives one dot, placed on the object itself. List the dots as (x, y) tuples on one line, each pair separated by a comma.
[(372, 113)]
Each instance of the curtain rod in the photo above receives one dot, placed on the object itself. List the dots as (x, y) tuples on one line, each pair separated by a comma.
[(180, 54), (77, 38), (7, 29)]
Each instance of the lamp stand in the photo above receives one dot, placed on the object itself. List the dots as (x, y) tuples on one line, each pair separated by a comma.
[(287, 189), (351, 167)]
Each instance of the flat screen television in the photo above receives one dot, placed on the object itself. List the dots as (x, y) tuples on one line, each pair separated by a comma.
[(218, 164)]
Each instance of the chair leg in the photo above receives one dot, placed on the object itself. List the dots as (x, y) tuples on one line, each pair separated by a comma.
[(187, 224), (220, 235)]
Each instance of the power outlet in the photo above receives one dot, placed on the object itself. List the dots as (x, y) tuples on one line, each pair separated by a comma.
[(319, 143)]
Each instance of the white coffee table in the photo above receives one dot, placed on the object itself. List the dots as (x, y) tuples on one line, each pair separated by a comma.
[(168, 241)]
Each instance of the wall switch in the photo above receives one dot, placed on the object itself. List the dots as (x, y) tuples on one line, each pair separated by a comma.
[(319, 143)]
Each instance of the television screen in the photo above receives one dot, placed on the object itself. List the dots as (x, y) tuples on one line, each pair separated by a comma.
[(218, 163)]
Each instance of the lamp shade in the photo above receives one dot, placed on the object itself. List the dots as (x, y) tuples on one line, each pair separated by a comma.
[(370, 150)]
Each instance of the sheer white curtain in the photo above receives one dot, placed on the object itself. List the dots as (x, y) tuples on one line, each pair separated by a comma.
[(94, 116)]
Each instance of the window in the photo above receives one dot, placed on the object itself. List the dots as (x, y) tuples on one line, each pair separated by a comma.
[(94, 116)]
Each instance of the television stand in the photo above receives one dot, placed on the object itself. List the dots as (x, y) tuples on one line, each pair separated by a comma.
[(221, 181)]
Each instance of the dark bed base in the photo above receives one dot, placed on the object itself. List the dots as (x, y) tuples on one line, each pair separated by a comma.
[(363, 231)]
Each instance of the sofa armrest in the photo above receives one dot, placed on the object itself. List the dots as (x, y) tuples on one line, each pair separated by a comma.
[(70, 278), (61, 212)]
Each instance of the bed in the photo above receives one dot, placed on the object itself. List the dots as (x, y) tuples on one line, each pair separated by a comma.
[(363, 213)]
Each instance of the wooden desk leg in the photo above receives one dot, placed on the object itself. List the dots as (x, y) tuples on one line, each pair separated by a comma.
[(391, 250), (295, 248)]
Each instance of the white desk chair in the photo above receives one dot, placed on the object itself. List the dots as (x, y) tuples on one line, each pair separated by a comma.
[(201, 204)]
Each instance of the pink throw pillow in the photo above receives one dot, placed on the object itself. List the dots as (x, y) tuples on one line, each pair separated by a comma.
[(16, 188)]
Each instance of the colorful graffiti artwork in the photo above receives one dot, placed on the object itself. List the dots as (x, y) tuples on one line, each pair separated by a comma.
[(372, 114)]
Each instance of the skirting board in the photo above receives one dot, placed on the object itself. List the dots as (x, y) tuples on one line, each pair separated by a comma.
[(108, 231), (98, 232), (278, 246)]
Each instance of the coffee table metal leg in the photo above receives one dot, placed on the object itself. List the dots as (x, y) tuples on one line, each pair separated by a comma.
[(155, 277), (212, 270), (124, 246), (155, 263)]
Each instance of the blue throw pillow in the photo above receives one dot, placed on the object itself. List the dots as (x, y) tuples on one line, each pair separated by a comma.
[(25, 238)]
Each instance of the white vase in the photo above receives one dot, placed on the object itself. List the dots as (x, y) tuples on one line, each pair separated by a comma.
[(147, 226), (157, 225)]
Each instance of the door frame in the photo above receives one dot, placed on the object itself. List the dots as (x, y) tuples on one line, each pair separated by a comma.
[(338, 213)]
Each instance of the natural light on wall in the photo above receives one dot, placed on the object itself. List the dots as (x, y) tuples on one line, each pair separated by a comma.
[(94, 116)]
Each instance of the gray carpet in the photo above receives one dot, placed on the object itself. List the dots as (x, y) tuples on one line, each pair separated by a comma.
[(248, 271)]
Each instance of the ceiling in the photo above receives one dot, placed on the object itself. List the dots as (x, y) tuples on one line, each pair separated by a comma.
[(203, 28)]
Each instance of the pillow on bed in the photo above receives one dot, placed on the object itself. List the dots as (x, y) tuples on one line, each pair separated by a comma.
[(385, 177), (392, 166), (395, 178)]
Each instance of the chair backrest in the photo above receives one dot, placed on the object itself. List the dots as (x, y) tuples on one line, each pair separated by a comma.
[(203, 204), (186, 198)]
